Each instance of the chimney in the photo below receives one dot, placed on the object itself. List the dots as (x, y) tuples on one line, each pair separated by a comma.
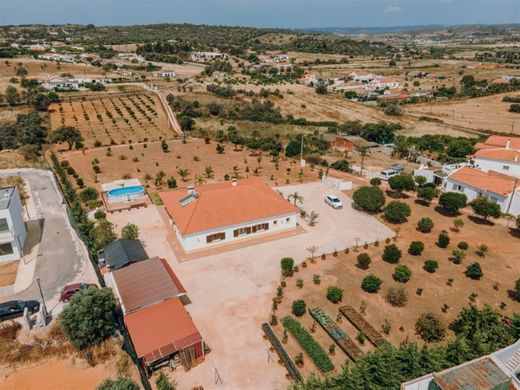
[(191, 190), (508, 144), (234, 182)]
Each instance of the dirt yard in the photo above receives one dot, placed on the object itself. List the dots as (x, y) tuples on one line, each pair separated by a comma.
[(8, 271), (500, 267), (195, 156), (486, 113), (117, 119)]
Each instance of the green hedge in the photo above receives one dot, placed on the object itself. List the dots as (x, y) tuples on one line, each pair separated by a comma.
[(307, 342)]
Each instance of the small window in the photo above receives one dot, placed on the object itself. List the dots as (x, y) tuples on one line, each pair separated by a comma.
[(241, 231), (6, 249), (288, 219), (275, 222), (505, 167), (215, 237), (4, 227)]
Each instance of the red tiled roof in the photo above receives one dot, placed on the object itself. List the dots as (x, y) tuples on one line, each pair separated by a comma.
[(485, 181), (499, 154), (498, 141), (387, 80), (146, 283), (161, 330), (221, 204)]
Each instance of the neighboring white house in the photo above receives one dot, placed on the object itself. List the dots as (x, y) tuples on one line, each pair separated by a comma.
[(12, 227), (164, 74), (205, 56), (226, 212), (437, 175), (500, 154), (57, 57), (362, 76), (502, 189), (383, 82)]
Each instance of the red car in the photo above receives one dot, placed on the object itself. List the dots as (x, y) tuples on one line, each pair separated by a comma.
[(71, 289)]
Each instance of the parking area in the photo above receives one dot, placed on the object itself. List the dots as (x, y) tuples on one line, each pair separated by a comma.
[(231, 292)]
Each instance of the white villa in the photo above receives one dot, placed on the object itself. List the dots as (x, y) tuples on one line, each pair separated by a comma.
[(227, 212), (498, 154), (164, 74), (382, 83), (204, 56), (362, 76), (12, 227)]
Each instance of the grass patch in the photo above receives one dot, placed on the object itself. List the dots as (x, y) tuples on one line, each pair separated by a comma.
[(156, 199)]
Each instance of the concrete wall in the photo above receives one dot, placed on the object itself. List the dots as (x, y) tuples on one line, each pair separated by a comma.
[(14, 217), (498, 166), (196, 241)]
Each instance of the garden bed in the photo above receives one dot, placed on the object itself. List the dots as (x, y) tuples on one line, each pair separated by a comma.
[(336, 333), (362, 325), (280, 350)]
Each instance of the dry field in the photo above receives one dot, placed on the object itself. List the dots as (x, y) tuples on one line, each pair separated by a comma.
[(8, 272), (140, 160), (120, 119), (499, 266), (486, 113), (14, 159)]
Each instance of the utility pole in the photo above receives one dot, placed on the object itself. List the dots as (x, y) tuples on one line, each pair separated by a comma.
[(302, 161), (43, 308), (512, 196)]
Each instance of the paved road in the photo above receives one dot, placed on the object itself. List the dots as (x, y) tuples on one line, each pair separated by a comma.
[(61, 257)]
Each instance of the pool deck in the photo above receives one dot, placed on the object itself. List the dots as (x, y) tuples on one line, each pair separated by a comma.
[(111, 207)]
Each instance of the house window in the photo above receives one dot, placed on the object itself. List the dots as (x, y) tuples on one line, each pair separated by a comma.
[(260, 227), (4, 227), (215, 237), (242, 231), (458, 188), (505, 167), (6, 249), (275, 222), (287, 219)]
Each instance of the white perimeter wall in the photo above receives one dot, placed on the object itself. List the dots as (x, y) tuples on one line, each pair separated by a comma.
[(196, 241)]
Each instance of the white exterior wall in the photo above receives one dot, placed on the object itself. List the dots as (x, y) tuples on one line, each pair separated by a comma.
[(473, 193), (487, 165), (17, 233), (195, 241)]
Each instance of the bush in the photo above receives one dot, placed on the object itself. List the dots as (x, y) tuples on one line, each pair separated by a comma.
[(310, 346), (89, 193), (474, 271), (130, 232), (334, 294), (369, 199), (163, 383), (453, 201), (375, 181), (171, 182), (444, 239), (402, 274), (416, 248), (426, 193), (363, 260), (371, 284), (463, 245), (100, 214), (486, 208), (430, 327), (396, 296), (425, 225), (90, 317), (287, 264), (431, 266), (299, 307), (397, 212), (391, 254), (402, 182), (118, 384)]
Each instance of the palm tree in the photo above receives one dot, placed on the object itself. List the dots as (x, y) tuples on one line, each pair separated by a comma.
[(208, 171), (312, 218), (363, 151), (312, 251), (236, 172), (183, 173), (199, 180), (296, 197)]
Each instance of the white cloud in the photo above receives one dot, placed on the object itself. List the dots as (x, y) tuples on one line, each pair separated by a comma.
[(392, 10)]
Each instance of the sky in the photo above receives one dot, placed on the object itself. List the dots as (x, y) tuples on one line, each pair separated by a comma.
[(262, 13)]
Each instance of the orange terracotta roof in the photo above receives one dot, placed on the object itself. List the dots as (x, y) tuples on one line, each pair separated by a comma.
[(499, 184), (161, 330), (387, 80), (221, 204), (500, 81), (498, 141), (499, 154), (360, 73)]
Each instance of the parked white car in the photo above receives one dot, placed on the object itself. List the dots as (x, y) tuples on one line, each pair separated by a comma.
[(387, 174), (334, 201)]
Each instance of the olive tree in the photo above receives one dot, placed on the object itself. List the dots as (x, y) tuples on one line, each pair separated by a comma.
[(369, 199)]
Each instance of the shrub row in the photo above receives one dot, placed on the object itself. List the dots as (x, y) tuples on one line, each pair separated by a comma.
[(307, 342)]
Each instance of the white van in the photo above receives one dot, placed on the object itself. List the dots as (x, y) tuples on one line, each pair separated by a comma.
[(387, 174)]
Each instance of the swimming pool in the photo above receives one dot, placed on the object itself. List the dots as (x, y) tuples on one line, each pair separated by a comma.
[(125, 194)]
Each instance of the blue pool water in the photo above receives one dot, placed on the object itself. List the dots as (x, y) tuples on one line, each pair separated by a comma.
[(126, 191)]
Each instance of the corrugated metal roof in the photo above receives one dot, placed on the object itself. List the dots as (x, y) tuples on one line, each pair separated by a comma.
[(161, 330), (146, 283), (122, 252), (480, 374)]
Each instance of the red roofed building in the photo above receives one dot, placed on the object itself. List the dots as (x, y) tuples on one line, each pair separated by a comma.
[(226, 212), (502, 189), (499, 154), (163, 332)]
